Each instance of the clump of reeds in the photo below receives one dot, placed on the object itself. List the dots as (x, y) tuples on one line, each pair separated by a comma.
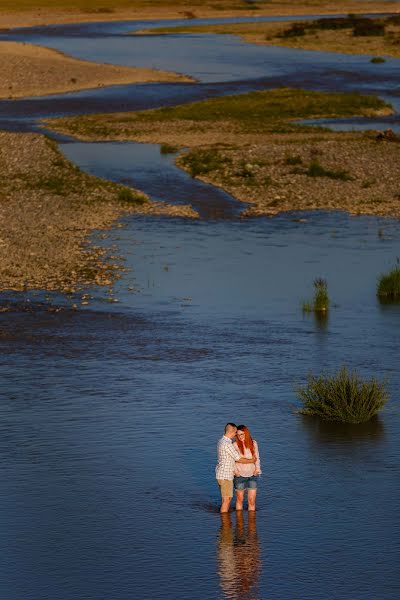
[(130, 196), (320, 302), (168, 149), (343, 396), (202, 161), (388, 289)]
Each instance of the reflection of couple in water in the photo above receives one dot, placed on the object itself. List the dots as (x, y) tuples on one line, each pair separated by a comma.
[(239, 560), (238, 465)]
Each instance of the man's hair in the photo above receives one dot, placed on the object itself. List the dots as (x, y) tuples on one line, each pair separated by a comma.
[(229, 426)]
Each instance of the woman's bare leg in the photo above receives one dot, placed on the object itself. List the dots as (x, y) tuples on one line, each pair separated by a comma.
[(251, 498), (239, 499)]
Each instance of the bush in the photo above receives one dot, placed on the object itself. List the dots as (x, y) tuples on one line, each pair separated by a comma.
[(342, 397), (321, 300), (367, 27), (295, 30), (377, 59), (389, 286)]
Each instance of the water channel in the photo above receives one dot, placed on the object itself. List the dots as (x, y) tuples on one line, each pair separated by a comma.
[(110, 414)]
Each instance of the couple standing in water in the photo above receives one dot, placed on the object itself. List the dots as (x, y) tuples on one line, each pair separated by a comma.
[(238, 466)]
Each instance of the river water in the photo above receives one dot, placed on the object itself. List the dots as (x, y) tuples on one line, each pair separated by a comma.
[(110, 414)]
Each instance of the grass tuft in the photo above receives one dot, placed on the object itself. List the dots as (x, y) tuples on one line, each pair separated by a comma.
[(342, 396), (388, 289), (130, 197), (315, 169), (168, 149), (320, 302), (293, 160)]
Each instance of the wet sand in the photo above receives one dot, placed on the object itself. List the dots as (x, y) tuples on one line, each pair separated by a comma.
[(49, 208), (45, 16), (29, 70)]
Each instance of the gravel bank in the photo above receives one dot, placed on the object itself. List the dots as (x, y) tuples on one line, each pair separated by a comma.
[(48, 208), (354, 172), (268, 170)]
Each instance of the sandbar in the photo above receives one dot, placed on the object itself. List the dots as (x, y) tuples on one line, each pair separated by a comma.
[(29, 70)]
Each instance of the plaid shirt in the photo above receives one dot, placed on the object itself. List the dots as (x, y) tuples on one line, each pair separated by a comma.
[(227, 455)]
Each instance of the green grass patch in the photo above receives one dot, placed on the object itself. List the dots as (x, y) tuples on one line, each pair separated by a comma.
[(254, 112), (388, 289), (202, 161), (256, 109)]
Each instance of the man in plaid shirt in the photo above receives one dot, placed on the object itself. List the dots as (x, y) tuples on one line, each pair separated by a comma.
[(224, 471)]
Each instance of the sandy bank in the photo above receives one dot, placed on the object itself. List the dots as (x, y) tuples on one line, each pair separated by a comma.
[(28, 70), (37, 14), (47, 210)]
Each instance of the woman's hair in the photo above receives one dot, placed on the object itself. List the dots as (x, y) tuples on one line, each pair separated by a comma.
[(248, 441)]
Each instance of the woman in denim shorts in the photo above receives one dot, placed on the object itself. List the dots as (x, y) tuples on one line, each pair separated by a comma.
[(246, 474)]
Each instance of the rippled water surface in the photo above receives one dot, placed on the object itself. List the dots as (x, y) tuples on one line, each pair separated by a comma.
[(110, 414), (110, 417)]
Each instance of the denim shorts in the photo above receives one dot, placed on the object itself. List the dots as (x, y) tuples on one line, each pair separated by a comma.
[(245, 483)]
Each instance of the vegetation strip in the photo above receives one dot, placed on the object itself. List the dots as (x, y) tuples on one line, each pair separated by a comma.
[(250, 145), (48, 209), (353, 34)]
